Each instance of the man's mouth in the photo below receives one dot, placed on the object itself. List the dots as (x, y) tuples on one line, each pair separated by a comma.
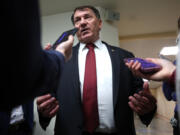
[(84, 31)]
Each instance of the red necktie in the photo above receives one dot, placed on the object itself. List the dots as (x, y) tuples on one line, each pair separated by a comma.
[(90, 106)]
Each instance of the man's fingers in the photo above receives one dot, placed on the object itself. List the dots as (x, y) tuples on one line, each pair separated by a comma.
[(147, 96), (51, 111), (49, 107), (133, 101), (135, 108), (54, 111), (43, 98), (141, 102), (48, 102)]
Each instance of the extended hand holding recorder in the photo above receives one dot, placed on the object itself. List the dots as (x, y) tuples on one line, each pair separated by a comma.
[(146, 66), (64, 37)]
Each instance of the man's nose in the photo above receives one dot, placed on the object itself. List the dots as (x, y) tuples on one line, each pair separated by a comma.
[(83, 22)]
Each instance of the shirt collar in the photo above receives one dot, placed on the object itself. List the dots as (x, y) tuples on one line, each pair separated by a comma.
[(98, 43)]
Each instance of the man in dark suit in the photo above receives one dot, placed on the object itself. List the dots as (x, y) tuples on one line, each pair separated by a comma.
[(111, 84), (28, 69)]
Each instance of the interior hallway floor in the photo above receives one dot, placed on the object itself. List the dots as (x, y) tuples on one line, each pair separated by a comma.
[(158, 126)]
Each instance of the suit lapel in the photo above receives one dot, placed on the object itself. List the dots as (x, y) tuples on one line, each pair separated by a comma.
[(75, 73), (114, 55)]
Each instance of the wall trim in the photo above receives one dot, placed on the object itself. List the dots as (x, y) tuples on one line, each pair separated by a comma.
[(149, 35)]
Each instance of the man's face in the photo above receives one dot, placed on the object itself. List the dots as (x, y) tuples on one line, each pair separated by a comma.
[(89, 25)]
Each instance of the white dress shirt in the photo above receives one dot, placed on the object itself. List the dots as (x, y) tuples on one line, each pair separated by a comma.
[(104, 84)]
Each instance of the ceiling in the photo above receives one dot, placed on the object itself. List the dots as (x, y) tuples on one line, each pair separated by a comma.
[(137, 17)]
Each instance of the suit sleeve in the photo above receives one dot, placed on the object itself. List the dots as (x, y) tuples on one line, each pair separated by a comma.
[(27, 70)]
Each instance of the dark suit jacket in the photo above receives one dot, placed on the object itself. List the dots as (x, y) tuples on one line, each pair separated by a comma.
[(69, 119), (28, 116), (26, 69)]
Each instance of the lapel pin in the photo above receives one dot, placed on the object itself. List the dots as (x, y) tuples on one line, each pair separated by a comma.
[(112, 50)]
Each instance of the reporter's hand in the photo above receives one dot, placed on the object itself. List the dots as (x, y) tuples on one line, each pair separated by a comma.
[(166, 70), (162, 75), (66, 47), (47, 105)]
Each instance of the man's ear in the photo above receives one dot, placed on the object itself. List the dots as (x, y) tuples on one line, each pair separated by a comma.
[(100, 24)]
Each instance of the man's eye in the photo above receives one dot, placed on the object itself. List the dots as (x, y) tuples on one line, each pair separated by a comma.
[(87, 17), (76, 20)]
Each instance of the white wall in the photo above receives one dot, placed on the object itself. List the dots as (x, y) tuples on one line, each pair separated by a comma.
[(52, 27), (147, 47)]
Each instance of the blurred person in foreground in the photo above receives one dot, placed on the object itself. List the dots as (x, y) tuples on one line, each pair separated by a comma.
[(27, 70)]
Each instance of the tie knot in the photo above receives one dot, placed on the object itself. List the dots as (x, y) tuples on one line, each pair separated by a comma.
[(90, 46)]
